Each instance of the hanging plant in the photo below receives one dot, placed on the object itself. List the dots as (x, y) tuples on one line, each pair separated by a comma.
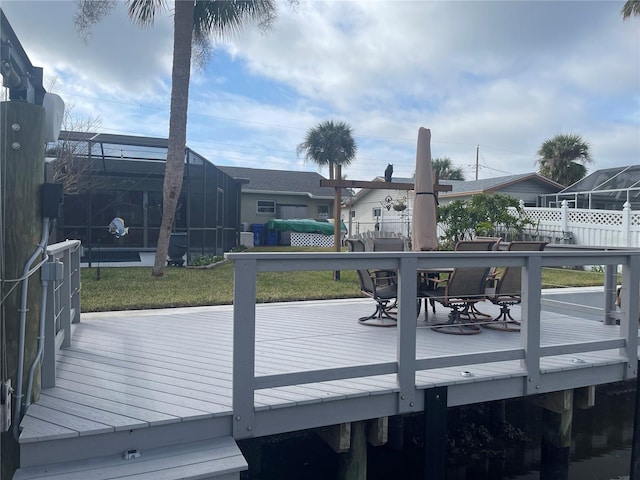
[(400, 204)]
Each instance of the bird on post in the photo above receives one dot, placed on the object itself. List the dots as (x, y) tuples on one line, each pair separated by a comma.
[(388, 172)]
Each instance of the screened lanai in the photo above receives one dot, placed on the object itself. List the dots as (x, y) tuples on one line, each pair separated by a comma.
[(107, 176), (606, 189)]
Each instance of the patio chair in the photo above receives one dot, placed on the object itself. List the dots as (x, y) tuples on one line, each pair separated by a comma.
[(383, 289), (478, 244), (464, 287), (389, 244), (508, 290)]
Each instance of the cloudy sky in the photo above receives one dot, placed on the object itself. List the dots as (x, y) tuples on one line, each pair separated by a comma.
[(501, 75)]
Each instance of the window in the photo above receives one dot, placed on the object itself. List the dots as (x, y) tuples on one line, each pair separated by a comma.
[(266, 207), (323, 212), (377, 212), (353, 214)]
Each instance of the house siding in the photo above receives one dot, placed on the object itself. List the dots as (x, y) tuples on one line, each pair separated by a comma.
[(249, 200)]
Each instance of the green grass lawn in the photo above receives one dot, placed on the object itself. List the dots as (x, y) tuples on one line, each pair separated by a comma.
[(132, 288)]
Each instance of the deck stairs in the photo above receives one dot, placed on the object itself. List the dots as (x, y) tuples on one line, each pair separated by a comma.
[(218, 459)]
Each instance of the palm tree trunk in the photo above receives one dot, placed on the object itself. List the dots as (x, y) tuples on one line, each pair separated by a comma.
[(174, 168)]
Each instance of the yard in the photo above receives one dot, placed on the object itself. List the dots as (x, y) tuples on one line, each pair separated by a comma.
[(133, 288)]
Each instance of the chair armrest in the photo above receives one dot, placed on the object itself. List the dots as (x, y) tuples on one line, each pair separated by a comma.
[(383, 278)]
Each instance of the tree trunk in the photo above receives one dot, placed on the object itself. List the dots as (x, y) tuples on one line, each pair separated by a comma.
[(174, 168)]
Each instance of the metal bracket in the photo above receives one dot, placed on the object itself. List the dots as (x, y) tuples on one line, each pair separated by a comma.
[(5, 405)]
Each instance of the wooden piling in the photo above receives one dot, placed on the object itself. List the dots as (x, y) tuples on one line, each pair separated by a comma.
[(557, 419), (21, 174), (353, 462), (435, 433)]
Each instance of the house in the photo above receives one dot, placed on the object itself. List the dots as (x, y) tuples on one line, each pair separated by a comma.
[(528, 187), (281, 194), (376, 209), (122, 176)]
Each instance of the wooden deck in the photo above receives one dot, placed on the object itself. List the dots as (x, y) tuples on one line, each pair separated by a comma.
[(150, 379)]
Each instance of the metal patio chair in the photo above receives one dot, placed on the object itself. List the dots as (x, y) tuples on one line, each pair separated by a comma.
[(381, 288), (464, 287), (508, 290)]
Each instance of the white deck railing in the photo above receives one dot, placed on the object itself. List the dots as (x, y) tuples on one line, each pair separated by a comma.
[(248, 265), (63, 303)]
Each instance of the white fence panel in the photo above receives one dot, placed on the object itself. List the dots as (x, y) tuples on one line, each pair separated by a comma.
[(609, 228)]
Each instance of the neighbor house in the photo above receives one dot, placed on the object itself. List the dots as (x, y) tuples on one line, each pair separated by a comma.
[(379, 209), (281, 194)]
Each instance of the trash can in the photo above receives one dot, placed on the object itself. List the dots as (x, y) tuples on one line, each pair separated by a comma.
[(257, 229), (272, 237), (177, 249)]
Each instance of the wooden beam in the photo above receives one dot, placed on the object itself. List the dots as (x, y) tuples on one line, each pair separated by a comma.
[(585, 397), (378, 185), (378, 431), (338, 437), (365, 184)]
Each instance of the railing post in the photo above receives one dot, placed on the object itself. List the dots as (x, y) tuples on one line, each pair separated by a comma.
[(610, 284), (629, 306), (75, 283), (244, 346), (530, 331), (406, 348), (65, 296), (48, 364)]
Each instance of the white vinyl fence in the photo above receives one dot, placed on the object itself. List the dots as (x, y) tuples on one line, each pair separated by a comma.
[(608, 228), (564, 225)]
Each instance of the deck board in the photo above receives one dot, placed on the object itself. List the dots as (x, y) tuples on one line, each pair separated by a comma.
[(153, 369)]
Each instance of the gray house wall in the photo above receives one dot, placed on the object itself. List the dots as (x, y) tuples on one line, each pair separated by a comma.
[(249, 200)]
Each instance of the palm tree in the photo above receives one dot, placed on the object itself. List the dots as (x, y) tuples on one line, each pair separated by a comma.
[(631, 7), (329, 143), (563, 158), (444, 169), (195, 21)]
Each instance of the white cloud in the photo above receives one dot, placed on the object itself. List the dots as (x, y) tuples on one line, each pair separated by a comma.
[(505, 75)]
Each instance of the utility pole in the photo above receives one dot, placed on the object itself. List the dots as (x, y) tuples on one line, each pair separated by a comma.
[(477, 160)]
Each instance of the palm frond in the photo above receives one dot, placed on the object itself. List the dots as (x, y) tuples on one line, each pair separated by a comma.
[(220, 18), (143, 12), (631, 7)]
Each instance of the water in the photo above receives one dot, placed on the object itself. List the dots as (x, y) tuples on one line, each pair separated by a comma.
[(489, 441)]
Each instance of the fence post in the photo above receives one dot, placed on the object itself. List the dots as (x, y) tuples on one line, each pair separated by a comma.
[(564, 216), (626, 224)]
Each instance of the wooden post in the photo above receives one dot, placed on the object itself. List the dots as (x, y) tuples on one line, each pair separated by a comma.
[(22, 173), (435, 433), (337, 200), (557, 417), (635, 443), (353, 463)]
